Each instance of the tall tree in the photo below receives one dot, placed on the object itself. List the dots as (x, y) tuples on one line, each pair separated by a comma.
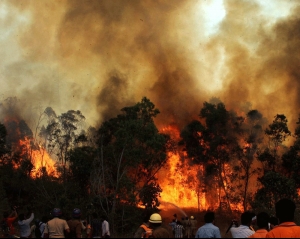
[(275, 183), (212, 145), (131, 151), (277, 132), (3, 154), (62, 134), (252, 137)]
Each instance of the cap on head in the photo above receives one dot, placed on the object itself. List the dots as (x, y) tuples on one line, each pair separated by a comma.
[(76, 213), (155, 218), (57, 212), (192, 217)]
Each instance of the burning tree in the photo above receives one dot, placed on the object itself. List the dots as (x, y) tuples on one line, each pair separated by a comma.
[(131, 151), (62, 134), (212, 145)]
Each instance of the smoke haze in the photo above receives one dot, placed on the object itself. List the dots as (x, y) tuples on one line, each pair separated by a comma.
[(100, 56)]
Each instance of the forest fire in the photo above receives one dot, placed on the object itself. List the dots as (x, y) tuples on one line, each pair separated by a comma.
[(22, 142), (40, 158), (179, 180)]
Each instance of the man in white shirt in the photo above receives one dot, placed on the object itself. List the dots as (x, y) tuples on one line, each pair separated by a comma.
[(24, 225), (105, 227), (243, 231)]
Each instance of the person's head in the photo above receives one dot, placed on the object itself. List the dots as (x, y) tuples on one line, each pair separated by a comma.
[(103, 218), (5, 215), (56, 212), (178, 222), (246, 218), (76, 213), (175, 215), (209, 217), (262, 220), (273, 222), (44, 219), (95, 215), (182, 218), (37, 222), (285, 210), (21, 217), (254, 218), (155, 220), (192, 218)]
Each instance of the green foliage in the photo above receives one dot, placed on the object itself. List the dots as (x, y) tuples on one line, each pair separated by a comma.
[(131, 151), (278, 131), (81, 160), (275, 187), (62, 132)]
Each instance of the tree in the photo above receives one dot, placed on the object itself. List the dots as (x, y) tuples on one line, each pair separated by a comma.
[(275, 182), (212, 145), (62, 134), (81, 159), (275, 187), (291, 159), (131, 151), (252, 135), (3, 153), (277, 132)]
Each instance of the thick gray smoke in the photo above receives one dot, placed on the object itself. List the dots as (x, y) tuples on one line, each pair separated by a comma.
[(100, 56)]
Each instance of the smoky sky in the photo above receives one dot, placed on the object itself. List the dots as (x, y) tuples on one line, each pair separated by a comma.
[(100, 56)]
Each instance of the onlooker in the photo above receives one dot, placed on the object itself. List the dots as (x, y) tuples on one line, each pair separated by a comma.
[(243, 231), (24, 225), (8, 220), (95, 226), (253, 221), (173, 225), (37, 229), (285, 210), (56, 228), (105, 227), (178, 231), (273, 222), (208, 230), (262, 221), (144, 230), (193, 228), (175, 217), (187, 227), (43, 225), (75, 224), (158, 231)]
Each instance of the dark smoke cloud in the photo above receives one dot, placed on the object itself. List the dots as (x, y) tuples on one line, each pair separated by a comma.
[(100, 56)]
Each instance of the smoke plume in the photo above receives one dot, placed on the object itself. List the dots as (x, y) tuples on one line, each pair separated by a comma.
[(100, 56)]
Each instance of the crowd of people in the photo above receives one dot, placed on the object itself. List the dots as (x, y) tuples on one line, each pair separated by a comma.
[(281, 226), (251, 225), (55, 226)]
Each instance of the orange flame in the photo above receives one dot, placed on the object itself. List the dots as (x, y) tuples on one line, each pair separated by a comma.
[(179, 181), (40, 159)]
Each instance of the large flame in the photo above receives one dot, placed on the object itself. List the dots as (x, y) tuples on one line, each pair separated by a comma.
[(179, 184), (40, 159), (178, 180)]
